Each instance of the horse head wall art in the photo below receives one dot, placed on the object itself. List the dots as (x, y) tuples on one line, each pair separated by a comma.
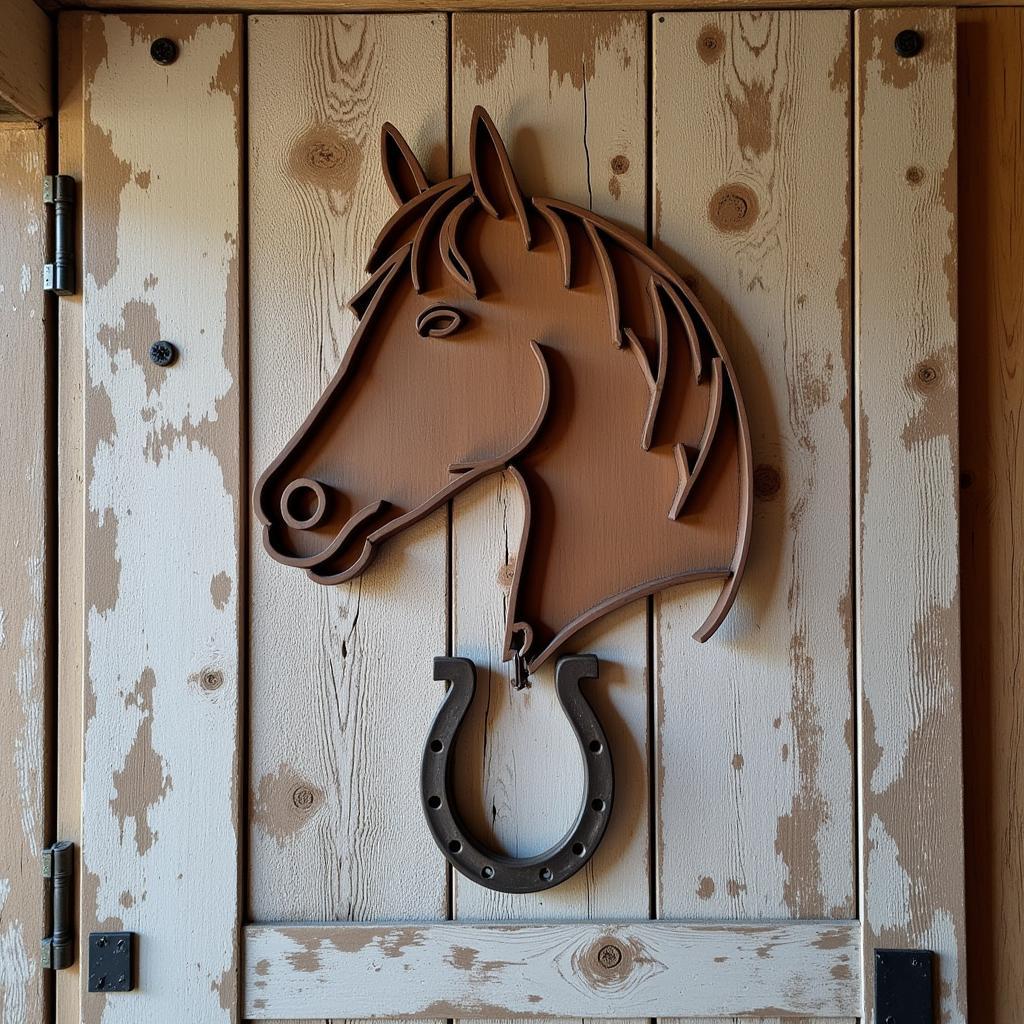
[(499, 332)]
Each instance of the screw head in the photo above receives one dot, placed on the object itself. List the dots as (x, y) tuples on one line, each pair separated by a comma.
[(908, 43), (164, 51), (163, 353)]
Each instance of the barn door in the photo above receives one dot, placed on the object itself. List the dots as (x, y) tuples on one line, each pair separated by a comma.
[(788, 794)]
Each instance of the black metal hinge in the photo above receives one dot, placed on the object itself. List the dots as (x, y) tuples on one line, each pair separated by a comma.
[(59, 275), (904, 986), (58, 948)]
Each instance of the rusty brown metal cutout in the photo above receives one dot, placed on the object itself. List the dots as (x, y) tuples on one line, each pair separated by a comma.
[(504, 332)]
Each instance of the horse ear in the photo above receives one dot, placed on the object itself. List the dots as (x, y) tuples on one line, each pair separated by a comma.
[(493, 178), (402, 170)]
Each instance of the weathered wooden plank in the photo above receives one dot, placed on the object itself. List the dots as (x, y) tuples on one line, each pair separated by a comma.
[(26, 648), (753, 728), (909, 593), (788, 968), (340, 690), (568, 94), (161, 569), (752, 199), (484, 5), (26, 62), (990, 105), (70, 469)]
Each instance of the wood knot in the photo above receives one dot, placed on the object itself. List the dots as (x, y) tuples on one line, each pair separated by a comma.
[(322, 156), (506, 574), (609, 956), (915, 175), (211, 680), (926, 376), (620, 164), (710, 44), (767, 482), (733, 207)]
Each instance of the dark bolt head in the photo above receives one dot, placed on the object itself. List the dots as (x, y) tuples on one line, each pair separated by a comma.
[(164, 50), (163, 353), (908, 43)]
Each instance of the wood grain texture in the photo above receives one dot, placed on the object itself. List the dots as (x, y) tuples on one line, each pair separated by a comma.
[(162, 569), (990, 111), (26, 62), (485, 5), (26, 566), (340, 677), (536, 971), (755, 773), (909, 593), (567, 93), (70, 469)]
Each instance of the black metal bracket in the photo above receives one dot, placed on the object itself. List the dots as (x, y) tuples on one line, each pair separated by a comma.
[(472, 858), (111, 962), (904, 986)]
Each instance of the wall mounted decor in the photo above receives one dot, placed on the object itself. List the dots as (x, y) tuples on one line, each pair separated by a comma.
[(500, 332)]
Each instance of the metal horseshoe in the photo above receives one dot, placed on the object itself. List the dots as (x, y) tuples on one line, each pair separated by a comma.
[(463, 851)]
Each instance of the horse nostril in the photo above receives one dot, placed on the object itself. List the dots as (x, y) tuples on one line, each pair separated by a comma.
[(304, 503)]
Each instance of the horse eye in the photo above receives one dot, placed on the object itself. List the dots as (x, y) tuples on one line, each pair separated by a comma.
[(438, 322)]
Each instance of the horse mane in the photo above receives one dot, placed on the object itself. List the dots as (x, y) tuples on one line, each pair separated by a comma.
[(435, 216)]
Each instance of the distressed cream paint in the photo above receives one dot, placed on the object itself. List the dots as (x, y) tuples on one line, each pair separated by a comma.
[(23, 567), (160, 841), (536, 971), (909, 602), (754, 729)]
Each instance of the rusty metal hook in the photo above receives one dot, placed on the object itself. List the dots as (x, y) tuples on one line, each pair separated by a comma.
[(472, 858)]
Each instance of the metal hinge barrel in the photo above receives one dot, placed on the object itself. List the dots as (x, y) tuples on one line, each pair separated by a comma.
[(58, 948), (59, 192)]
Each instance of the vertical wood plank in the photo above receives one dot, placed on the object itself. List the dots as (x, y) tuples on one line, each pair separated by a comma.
[(909, 600), (25, 651), (568, 94), (162, 569), (990, 190), (70, 499), (341, 677), (753, 730)]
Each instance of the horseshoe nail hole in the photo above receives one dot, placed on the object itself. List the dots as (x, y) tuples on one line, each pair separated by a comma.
[(434, 802), (546, 875), (597, 804), (436, 746), (487, 871), (454, 846), (579, 849), (596, 746), (303, 503)]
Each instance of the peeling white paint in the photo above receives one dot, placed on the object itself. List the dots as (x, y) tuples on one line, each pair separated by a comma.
[(887, 894), (157, 488), (17, 967), (774, 685)]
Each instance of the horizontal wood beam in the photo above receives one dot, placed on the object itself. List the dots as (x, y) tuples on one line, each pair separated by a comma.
[(26, 62), (414, 6), (586, 969)]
